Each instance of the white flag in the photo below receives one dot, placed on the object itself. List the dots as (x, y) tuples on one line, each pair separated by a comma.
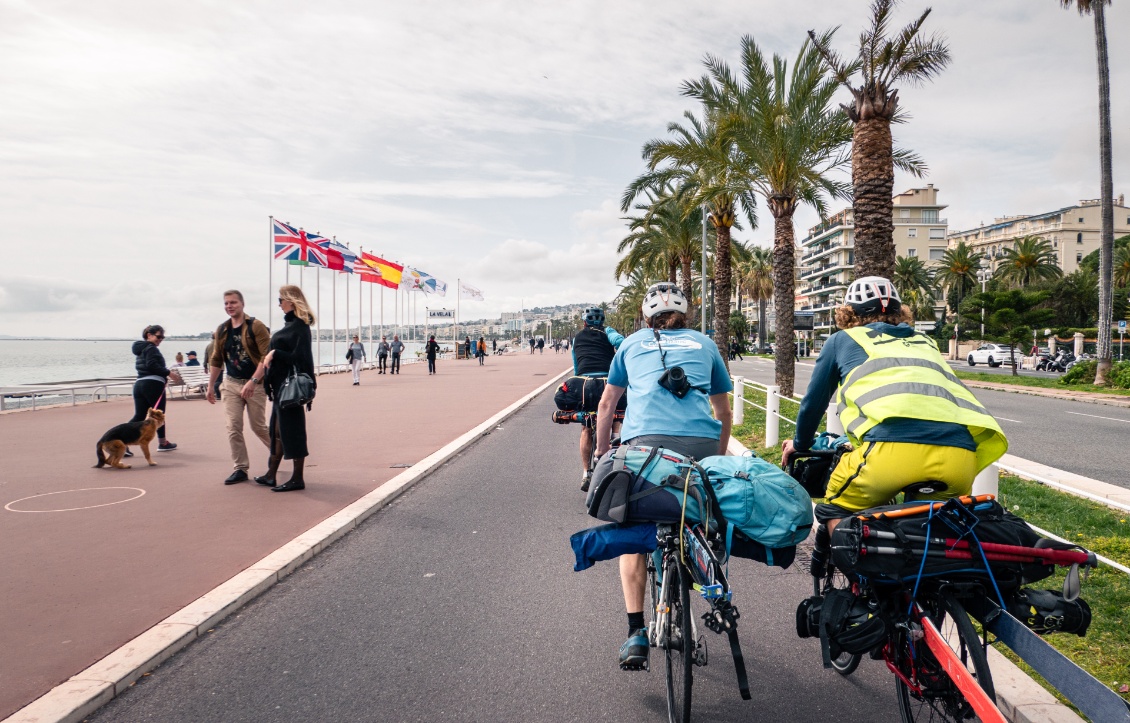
[(467, 291)]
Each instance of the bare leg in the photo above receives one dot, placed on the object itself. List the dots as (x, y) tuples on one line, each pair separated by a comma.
[(633, 578), (586, 449)]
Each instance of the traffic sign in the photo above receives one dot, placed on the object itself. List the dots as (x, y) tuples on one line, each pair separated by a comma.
[(1122, 327), (924, 326)]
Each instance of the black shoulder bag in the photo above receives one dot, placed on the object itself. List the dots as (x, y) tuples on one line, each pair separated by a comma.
[(297, 390)]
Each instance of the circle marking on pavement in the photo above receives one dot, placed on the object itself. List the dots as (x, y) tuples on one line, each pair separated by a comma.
[(10, 507)]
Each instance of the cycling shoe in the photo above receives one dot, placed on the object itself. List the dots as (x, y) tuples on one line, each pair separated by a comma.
[(633, 653), (585, 480)]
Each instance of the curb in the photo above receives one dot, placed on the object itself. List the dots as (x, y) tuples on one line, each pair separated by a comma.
[(1020, 699), (90, 689), (1106, 400)]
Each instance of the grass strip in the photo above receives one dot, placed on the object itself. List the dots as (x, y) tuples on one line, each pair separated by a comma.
[(1039, 382), (1105, 651)]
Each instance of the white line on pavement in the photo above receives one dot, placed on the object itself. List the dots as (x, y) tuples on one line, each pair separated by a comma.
[(1113, 419), (1010, 420)]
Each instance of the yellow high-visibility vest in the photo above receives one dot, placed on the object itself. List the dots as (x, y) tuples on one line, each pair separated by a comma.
[(908, 378)]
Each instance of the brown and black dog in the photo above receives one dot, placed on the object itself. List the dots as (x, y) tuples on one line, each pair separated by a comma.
[(113, 445)]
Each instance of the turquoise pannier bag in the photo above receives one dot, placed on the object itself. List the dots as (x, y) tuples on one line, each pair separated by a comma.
[(760, 499)]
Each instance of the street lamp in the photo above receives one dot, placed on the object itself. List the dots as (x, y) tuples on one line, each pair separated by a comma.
[(983, 275)]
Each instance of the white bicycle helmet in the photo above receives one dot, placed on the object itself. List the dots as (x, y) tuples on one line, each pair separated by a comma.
[(663, 297), (872, 295)]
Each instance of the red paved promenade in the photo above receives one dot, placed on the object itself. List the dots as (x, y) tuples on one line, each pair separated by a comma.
[(75, 585)]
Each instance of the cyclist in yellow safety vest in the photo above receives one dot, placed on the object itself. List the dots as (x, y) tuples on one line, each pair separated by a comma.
[(907, 415)]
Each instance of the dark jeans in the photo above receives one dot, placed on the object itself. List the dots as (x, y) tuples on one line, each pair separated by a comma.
[(395, 363), (431, 365), (382, 362), (482, 359), (146, 392)]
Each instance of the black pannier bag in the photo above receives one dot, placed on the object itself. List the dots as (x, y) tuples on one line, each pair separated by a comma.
[(569, 394), (886, 544)]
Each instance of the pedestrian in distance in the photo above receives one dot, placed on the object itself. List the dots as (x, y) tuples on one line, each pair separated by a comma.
[(152, 376), (430, 351), (494, 345), (396, 348), (693, 420), (467, 347), (356, 355), (192, 360), (382, 356), (179, 361), (541, 345), (291, 351), (241, 342), (481, 351)]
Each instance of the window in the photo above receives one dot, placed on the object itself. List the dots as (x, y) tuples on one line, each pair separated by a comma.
[(1078, 257), (1055, 243), (904, 213), (937, 254), (912, 233), (937, 233), (1079, 238), (930, 216), (911, 253), (1080, 219)]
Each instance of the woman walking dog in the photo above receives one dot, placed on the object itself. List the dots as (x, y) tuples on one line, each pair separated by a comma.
[(152, 375)]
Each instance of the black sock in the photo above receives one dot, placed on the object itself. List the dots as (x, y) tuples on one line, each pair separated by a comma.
[(635, 622)]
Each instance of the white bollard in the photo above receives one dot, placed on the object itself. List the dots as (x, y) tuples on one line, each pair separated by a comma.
[(834, 425), (772, 420), (988, 481), (739, 401)]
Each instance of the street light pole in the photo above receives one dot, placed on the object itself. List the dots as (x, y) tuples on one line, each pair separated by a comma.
[(702, 279)]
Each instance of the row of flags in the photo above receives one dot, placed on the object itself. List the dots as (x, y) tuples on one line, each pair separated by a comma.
[(309, 249)]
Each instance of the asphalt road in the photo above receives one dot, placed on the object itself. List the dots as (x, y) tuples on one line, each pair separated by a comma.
[(1077, 436), (459, 602)]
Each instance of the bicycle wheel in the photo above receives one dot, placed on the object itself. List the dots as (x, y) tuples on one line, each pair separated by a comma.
[(679, 649), (845, 663), (938, 697)]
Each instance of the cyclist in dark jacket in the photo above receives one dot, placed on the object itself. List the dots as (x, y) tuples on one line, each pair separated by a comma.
[(593, 349)]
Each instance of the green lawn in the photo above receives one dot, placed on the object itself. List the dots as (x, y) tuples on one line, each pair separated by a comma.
[(1041, 382), (1105, 651)]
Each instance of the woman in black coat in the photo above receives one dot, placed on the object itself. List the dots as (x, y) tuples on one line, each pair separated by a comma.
[(152, 375), (291, 349)]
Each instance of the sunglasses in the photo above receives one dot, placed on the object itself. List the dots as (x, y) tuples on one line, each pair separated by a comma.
[(159, 336), (280, 299)]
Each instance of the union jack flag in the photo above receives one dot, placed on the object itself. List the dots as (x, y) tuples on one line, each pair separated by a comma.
[(296, 246)]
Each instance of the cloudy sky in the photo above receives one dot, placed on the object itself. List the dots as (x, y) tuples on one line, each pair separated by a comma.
[(144, 143)]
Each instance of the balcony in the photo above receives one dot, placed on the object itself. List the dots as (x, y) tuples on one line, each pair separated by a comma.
[(839, 246), (825, 288), (921, 222), (826, 269)]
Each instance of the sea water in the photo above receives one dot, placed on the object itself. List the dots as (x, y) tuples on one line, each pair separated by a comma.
[(42, 361)]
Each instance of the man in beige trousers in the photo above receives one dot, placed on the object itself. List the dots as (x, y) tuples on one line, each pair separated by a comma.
[(241, 343)]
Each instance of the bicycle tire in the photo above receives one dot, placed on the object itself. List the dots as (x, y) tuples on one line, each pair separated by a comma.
[(942, 701), (679, 650), (845, 663)]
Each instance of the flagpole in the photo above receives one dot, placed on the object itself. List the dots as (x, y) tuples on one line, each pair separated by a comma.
[(270, 269), (333, 345), (458, 286), (318, 338), (382, 309)]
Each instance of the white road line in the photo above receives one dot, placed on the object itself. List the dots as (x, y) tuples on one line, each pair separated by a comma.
[(1008, 420), (1113, 419)]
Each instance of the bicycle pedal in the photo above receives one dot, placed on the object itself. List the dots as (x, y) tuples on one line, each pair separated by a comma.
[(635, 665)]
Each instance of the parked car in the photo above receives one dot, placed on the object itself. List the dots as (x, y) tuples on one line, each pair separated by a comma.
[(992, 354)]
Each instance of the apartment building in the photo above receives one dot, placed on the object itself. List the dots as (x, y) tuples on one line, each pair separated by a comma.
[(826, 259), (1072, 231)]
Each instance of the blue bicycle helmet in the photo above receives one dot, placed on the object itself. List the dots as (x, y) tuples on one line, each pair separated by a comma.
[(594, 316)]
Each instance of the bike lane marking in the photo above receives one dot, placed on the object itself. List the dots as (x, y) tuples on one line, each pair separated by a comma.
[(1113, 419)]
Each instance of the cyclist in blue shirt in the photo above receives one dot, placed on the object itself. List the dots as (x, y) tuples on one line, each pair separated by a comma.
[(593, 349), (662, 412)]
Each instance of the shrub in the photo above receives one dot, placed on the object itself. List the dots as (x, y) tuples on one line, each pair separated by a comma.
[(1120, 374), (1081, 373)]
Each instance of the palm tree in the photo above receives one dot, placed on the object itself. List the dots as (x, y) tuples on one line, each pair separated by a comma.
[(882, 62), (1121, 275), (700, 161), (629, 302), (1032, 259), (786, 140), (1106, 186), (757, 277), (958, 271), (911, 275)]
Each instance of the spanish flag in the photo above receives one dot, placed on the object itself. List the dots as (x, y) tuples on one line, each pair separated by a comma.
[(390, 272)]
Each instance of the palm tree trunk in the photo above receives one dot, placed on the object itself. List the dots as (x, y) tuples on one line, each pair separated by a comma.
[(1106, 241), (722, 281), (672, 269), (762, 320), (688, 289), (784, 291), (873, 178)]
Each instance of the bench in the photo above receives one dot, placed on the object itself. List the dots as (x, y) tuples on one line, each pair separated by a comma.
[(195, 381)]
